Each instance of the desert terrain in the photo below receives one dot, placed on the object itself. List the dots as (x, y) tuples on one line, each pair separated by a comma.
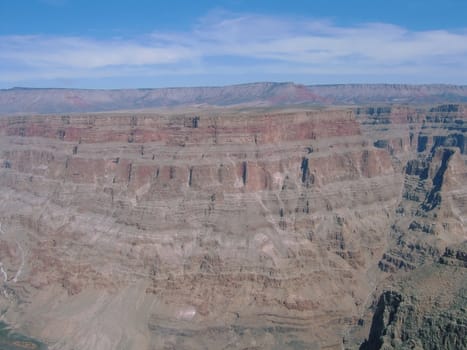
[(284, 217)]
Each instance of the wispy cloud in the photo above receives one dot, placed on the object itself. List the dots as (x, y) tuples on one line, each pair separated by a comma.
[(225, 43), (74, 52)]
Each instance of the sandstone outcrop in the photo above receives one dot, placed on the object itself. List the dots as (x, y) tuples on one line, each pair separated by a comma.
[(218, 228)]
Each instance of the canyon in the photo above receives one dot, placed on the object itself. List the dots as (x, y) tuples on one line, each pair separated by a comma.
[(238, 225)]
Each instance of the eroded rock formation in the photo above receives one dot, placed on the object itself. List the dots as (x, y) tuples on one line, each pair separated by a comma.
[(429, 312), (222, 229)]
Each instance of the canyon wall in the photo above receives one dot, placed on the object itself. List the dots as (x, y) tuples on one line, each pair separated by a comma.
[(222, 229)]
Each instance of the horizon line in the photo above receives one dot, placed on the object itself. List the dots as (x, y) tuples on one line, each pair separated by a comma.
[(234, 85)]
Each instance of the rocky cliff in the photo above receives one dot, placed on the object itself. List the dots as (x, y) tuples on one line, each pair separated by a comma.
[(428, 311), (218, 228)]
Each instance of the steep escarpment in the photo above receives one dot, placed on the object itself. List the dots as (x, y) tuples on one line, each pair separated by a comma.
[(429, 309), (217, 228), (204, 217), (428, 146)]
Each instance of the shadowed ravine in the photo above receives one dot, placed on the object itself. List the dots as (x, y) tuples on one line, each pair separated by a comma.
[(10, 340)]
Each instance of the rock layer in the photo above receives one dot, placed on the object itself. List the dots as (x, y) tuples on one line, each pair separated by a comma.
[(220, 229)]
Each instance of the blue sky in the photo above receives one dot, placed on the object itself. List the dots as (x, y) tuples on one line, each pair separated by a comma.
[(143, 43)]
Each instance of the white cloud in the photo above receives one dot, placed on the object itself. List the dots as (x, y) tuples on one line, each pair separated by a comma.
[(75, 52), (223, 43)]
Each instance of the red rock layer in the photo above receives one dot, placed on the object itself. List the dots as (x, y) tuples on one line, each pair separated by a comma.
[(268, 222)]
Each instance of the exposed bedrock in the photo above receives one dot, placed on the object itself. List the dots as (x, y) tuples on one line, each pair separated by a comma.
[(428, 310), (427, 147), (230, 230)]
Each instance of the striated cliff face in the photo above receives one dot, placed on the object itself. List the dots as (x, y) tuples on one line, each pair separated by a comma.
[(221, 229), (432, 211), (425, 307)]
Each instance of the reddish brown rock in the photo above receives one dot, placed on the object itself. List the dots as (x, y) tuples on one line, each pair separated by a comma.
[(151, 230)]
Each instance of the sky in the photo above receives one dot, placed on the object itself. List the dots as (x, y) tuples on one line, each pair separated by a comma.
[(149, 44)]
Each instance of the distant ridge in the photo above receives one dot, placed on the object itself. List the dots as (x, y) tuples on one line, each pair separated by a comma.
[(61, 100)]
